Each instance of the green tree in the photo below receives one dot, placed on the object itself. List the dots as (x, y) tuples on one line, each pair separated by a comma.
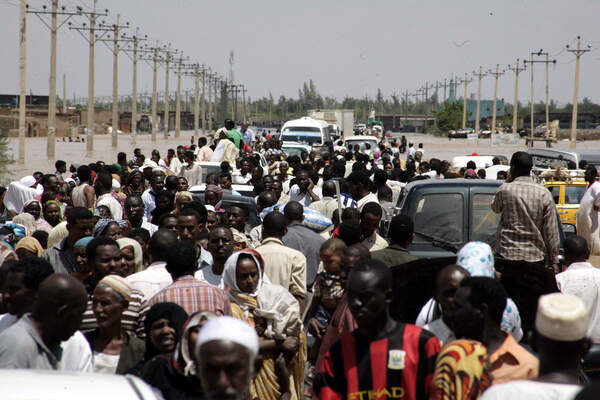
[(449, 117)]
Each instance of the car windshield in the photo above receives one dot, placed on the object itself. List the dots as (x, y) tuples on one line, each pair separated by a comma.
[(440, 216), (484, 222), (361, 143), (302, 134), (573, 194), (292, 151)]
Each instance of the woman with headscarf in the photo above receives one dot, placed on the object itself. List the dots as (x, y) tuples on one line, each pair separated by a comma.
[(175, 375), (135, 183), (107, 227), (131, 256), (181, 199), (27, 221), (7, 253), (213, 196), (82, 270), (20, 192), (52, 212), (275, 314), (34, 208), (478, 259), (28, 246), (462, 371), (114, 349), (163, 326)]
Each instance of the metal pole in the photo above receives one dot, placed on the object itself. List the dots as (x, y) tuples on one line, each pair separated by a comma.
[(196, 101), (115, 102), (178, 102), (495, 96), (155, 96), (478, 110), (547, 94), (23, 83), (134, 97), (166, 131), (531, 107), (464, 116), (203, 101), (516, 102), (51, 139), (573, 142), (90, 110)]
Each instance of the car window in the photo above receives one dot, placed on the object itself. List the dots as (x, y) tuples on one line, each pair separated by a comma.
[(573, 194), (555, 191), (440, 215), (484, 222)]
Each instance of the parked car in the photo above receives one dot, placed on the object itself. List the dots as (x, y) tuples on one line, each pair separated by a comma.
[(449, 213), (294, 148), (245, 202), (18, 384)]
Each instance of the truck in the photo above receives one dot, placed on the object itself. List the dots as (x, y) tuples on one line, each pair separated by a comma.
[(341, 122)]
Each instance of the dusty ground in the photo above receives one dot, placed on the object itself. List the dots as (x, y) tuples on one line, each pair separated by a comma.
[(36, 160)]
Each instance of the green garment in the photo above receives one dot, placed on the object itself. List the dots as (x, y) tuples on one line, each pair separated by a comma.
[(236, 136)]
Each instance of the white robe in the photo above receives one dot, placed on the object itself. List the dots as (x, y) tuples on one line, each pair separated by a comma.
[(587, 219)]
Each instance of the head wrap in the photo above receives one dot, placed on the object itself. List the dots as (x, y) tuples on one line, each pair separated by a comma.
[(181, 195), (5, 251), (229, 329), (27, 181), (470, 173), (30, 244), (137, 251), (462, 371), (58, 205), (184, 361), (118, 167), (69, 180), (83, 242), (230, 269), (57, 234), (101, 226), (169, 311), (26, 221), (562, 317), (30, 202), (477, 258), (209, 207), (118, 284)]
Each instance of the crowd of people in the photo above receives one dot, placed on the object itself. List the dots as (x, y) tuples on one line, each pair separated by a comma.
[(120, 269)]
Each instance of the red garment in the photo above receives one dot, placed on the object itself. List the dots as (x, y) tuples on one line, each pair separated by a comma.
[(342, 322)]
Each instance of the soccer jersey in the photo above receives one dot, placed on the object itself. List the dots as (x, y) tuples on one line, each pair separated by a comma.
[(398, 366)]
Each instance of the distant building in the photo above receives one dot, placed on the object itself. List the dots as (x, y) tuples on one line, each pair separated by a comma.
[(12, 100)]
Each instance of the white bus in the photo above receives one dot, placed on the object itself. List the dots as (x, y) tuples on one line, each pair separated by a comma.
[(305, 130)]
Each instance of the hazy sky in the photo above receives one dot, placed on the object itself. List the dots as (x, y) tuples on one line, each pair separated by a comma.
[(347, 47)]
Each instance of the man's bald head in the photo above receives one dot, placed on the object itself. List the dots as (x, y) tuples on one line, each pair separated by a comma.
[(160, 243), (59, 307), (274, 225), (266, 199), (294, 212), (450, 272), (328, 188)]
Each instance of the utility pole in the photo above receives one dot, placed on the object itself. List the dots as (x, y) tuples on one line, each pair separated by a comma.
[(436, 94), (455, 88), (496, 74), (53, 26), (91, 80), (516, 70), (23, 81), (210, 82), (445, 85), (136, 41), (532, 105), (178, 103), (64, 105), (466, 81), (196, 100), (217, 85), (115, 28), (167, 62), (244, 102), (155, 58), (203, 101), (479, 75), (578, 53)]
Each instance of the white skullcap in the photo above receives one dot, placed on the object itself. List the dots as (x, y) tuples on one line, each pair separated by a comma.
[(232, 329), (116, 186), (155, 169), (209, 207), (27, 181), (562, 317)]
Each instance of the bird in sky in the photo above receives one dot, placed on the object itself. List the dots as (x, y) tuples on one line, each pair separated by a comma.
[(461, 44)]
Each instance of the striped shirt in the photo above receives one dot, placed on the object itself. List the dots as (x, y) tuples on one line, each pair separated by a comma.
[(132, 319), (400, 365), (528, 230), (194, 295)]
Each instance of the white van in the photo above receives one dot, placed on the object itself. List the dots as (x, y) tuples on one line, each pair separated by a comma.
[(305, 130)]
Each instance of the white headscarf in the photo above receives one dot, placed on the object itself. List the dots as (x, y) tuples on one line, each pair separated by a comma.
[(230, 329), (229, 272)]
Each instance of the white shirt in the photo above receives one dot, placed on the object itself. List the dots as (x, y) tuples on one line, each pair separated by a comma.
[(151, 280), (440, 330), (175, 165), (371, 197), (531, 390), (303, 198), (149, 202), (582, 280), (411, 152), (113, 205), (150, 227)]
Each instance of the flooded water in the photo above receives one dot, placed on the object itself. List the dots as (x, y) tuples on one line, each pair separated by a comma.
[(36, 160)]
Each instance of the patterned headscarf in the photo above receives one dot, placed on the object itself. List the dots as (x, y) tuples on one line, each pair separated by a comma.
[(477, 258), (462, 371)]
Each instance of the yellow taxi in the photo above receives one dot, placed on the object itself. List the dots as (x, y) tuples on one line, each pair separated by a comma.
[(567, 194)]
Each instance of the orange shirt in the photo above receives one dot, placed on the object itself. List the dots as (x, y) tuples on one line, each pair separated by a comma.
[(511, 362)]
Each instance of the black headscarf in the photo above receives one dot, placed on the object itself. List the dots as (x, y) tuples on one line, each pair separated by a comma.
[(170, 311)]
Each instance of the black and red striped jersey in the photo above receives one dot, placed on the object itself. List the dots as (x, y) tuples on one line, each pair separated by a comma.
[(398, 366)]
